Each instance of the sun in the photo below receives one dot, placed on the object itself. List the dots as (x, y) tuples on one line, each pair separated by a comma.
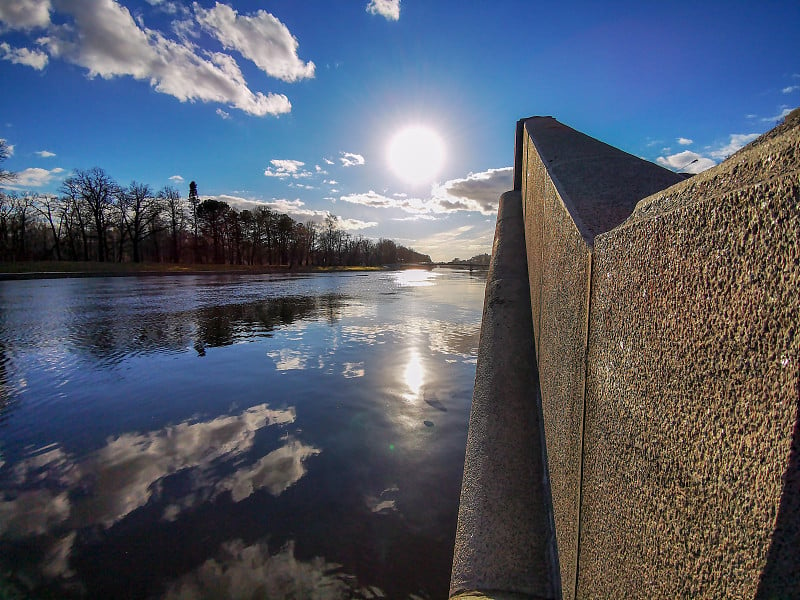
[(416, 154)]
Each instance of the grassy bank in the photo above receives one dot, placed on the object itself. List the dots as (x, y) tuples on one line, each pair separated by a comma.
[(44, 269)]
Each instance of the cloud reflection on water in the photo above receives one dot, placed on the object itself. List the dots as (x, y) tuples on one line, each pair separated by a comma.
[(353, 370), (53, 493), (241, 571), (190, 482), (444, 337)]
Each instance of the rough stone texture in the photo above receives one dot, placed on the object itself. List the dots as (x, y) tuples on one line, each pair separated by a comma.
[(504, 538), (573, 188), (669, 353), (690, 482), (558, 256)]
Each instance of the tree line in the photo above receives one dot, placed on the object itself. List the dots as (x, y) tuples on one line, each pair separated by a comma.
[(93, 218)]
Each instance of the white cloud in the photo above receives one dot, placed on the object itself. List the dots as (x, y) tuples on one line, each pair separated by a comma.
[(282, 205), (355, 224), (35, 177), (328, 161), (294, 208), (385, 8), (24, 56), (785, 110), (171, 8), (25, 14), (9, 147), (105, 39), (790, 89), (373, 199), (290, 166), (476, 192), (692, 162), (416, 218), (331, 182), (283, 168), (737, 141), (45, 153), (320, 170), (223, 114), (261, 38), (686, 162), (348, 159), (176, 179), (685, 141)]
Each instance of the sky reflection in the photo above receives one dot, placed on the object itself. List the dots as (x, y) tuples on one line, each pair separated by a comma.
[(51, 491), (241, 571), (188, 434)]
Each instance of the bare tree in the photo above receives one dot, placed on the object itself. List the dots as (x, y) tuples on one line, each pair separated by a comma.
[(141, 209), (194, 201), (74, 210), (175, 209), (22, 207), (52, 209), (5, 152), (96, 190)]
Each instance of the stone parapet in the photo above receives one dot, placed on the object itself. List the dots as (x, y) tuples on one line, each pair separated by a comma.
[(504, 539), (663, 351)]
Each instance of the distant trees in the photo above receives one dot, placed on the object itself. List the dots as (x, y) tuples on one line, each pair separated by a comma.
[(93, 192), (175, 216), (479, 259), (94, 218), (5, 152)]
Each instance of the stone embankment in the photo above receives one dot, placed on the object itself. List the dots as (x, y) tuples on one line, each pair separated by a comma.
[(660, 405)]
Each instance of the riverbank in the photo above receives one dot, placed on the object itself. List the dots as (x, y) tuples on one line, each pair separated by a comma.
[(62, 269)]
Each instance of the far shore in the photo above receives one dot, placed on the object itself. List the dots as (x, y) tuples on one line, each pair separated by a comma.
[(57, 270)]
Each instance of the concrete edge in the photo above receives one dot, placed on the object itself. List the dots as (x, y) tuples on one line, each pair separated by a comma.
[(505, 538), (569, 206), (494, 595)]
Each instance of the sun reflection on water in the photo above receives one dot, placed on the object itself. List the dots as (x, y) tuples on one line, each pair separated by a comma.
[(414, 278), (414, 377)]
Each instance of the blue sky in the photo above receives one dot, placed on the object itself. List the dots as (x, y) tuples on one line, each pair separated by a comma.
[(294, 103)]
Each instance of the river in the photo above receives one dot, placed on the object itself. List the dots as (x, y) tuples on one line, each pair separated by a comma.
[(226, 436)]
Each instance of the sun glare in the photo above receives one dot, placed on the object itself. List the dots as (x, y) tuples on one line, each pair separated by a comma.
[(414, 377), (416, 154)]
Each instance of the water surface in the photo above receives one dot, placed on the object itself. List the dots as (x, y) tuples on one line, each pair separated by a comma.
[(221, 436)]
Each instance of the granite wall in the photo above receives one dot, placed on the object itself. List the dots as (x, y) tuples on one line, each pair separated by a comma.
[(668, 348)]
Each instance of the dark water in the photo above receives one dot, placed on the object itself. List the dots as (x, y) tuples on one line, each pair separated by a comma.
[(248, 437)]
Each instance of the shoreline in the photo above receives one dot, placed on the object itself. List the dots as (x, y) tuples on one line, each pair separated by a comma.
[(55, 270)]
